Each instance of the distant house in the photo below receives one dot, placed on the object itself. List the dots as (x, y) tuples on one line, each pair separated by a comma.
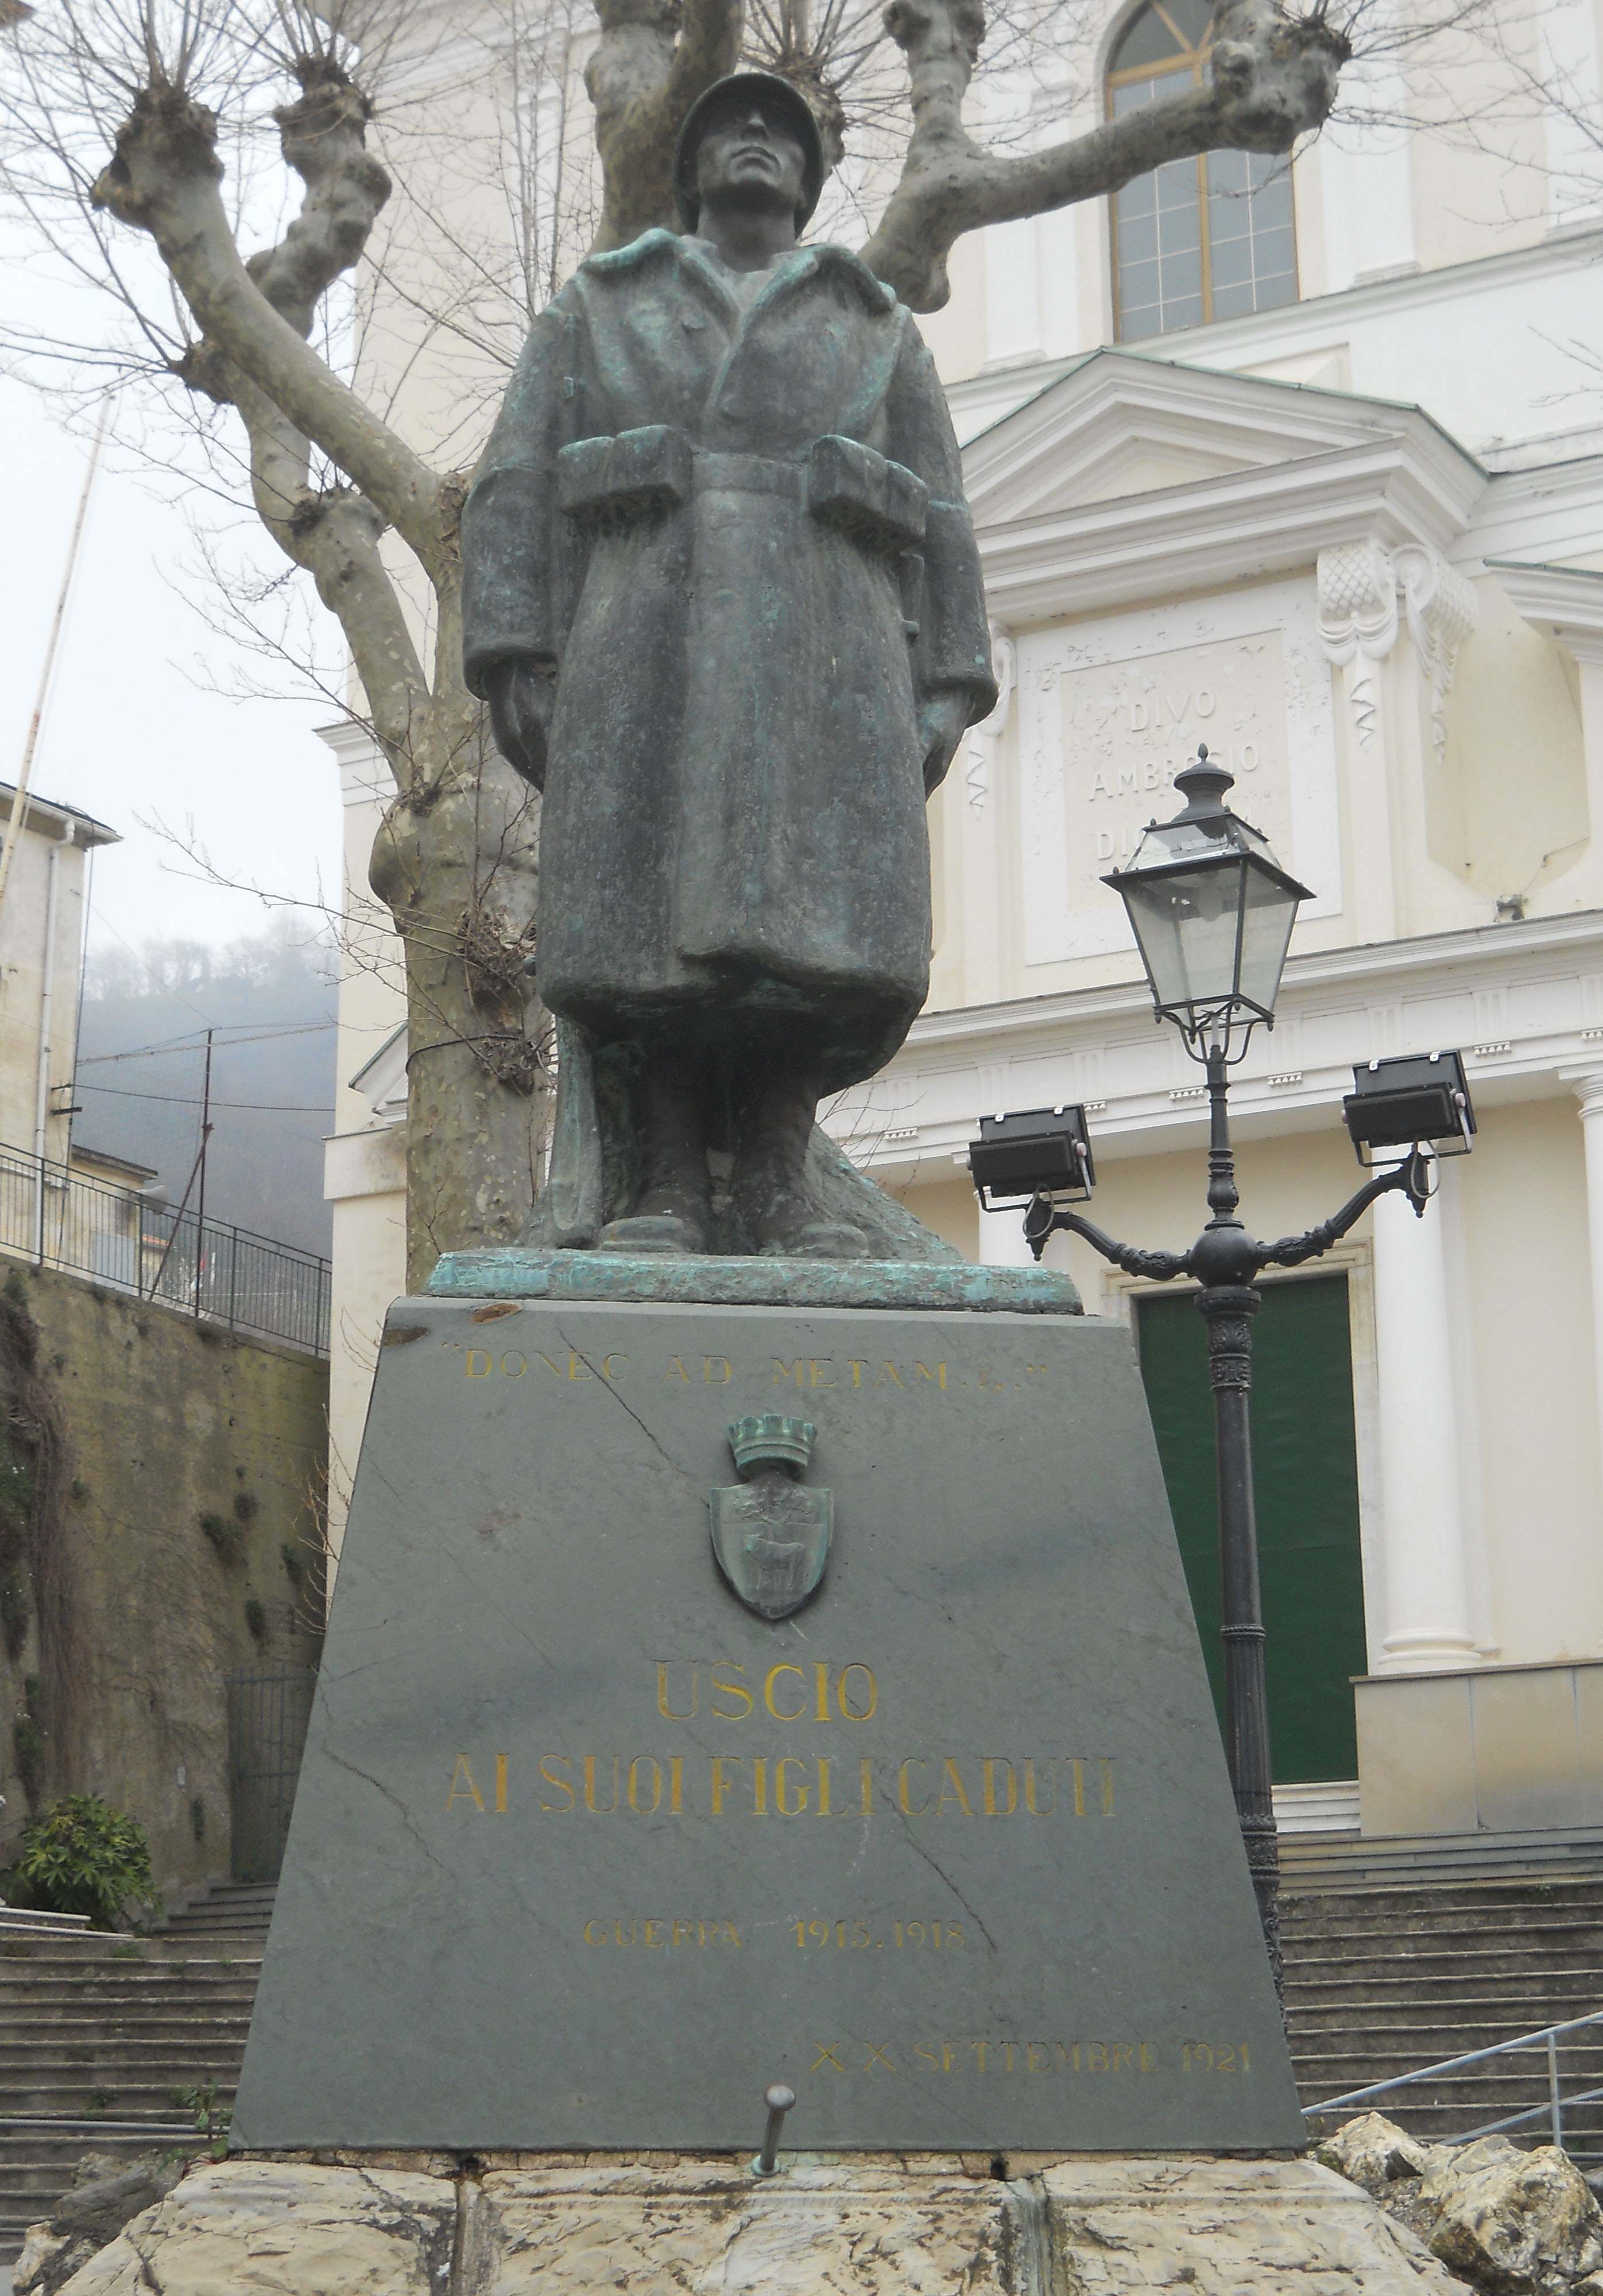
[(42, 922)]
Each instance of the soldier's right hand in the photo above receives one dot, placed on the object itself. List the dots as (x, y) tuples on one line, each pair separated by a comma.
[(521, 703)]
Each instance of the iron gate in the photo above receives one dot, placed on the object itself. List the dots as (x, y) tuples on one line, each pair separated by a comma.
[(270, 1707)]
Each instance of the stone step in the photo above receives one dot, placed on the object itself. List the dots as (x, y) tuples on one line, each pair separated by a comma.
[(1418, 2037), (1580, 1925), (1576, 1942), (1483, 1973), (1330, 1909), (131, 1977), (232, 1907), (220, 1922), (24, 1921), (135, 2009), (67, 2033), (1314, 1862), (38, 2141), (1391, 1982), (1389, 2054), (39, 2058), (73, 2097), (38, 2157), (178, 1983), (82, 1969)]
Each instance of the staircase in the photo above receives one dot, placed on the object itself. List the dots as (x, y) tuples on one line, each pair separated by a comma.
[(221, 1909), (1398, 1955), (97, 2033)]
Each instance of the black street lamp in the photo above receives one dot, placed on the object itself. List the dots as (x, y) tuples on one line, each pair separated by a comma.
[(1213, 911)]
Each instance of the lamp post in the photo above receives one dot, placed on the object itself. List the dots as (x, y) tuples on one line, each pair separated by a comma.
[(1213, 910)]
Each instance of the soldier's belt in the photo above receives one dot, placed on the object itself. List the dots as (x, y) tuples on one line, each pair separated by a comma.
[(612, 481)]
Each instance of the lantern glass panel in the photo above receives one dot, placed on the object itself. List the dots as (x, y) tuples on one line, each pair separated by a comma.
[(1269, 913), (1185, 921)]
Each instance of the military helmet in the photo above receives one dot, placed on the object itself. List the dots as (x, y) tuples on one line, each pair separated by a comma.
[(772, 89)]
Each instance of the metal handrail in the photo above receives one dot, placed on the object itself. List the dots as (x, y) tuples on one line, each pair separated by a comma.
[(57, 1217), (1547, 2038)]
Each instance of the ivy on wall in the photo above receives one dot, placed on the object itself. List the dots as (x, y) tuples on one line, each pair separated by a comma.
[(37, 1593)]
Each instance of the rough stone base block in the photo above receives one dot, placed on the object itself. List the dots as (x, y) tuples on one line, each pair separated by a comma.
[(1089, 2226)]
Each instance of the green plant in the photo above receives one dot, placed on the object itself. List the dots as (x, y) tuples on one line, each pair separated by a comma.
[(255, 1618), (28, 1742), (244, 1505), (17, 1496), (197, 1819), (16, 1289), (15, 1614), (294, 1569), (224, 1535), (16, 1485), (212, 2119), (81, 1857), (99, 2103)]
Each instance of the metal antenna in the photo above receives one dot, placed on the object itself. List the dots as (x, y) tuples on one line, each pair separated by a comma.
[(779, 2100)]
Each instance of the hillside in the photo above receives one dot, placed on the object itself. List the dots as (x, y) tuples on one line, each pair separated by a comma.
[(270, 1002)]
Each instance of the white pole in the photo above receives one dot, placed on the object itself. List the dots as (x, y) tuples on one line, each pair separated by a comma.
[(19, 806), (41, 1098)]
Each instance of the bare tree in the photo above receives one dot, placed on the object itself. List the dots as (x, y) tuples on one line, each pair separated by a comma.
[(136, 150)]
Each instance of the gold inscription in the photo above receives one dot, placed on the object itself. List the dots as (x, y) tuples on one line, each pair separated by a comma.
[(1001, 2059), (846, 1694), (678, 1932), (463, 1788), (859, 1936), (809, 1375), (944, 1788)]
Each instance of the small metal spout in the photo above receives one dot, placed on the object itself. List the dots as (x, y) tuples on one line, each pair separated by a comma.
[(778, 2100)]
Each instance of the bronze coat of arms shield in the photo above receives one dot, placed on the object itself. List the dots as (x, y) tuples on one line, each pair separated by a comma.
[(771, 1533)]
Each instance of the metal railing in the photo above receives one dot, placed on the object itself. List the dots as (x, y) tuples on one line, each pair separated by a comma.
[(269, 1713), (56, 1218), (1552, 2107)]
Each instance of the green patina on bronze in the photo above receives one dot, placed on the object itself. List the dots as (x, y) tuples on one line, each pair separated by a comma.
[(752, 1282)]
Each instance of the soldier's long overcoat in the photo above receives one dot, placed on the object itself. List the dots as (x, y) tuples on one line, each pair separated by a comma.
[(737, 531)]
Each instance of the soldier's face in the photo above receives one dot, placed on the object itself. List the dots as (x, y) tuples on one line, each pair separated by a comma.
[(749, 156)]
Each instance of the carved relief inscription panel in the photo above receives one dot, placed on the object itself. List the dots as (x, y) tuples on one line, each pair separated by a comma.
[(1110, 710)]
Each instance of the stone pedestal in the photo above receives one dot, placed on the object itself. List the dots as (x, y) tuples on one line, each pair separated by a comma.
[(596, 1837), (932, 2225)]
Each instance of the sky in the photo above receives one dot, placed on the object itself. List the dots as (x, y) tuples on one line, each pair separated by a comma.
[(135, 730)]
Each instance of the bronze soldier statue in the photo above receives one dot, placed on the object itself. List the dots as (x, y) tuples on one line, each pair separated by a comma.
[(722, 596)]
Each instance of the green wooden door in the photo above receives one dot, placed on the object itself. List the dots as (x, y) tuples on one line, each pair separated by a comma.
[(1305, 1472)]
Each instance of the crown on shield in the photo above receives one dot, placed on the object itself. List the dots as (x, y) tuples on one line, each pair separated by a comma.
[(768, 1440)]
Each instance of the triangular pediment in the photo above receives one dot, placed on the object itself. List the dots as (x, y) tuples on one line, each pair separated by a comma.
[(1120, 425)]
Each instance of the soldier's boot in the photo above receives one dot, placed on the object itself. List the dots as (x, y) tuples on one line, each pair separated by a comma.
[(673, 1211), (774, 1116)]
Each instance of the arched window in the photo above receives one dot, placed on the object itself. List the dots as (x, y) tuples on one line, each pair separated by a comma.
[(1199, 239)]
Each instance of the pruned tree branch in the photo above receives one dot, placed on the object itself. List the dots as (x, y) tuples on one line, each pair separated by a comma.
[(1273, 79), (332, 533), (641, 80), (164, 178)]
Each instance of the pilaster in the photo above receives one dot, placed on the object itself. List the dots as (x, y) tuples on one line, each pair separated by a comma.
[(1589, 1092), (1402, 812), (1427, 1605)]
